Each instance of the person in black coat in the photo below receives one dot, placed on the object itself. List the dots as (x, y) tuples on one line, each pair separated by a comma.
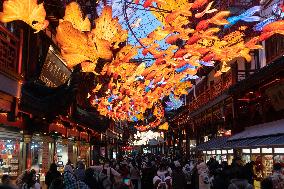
[(148, 174), (90, 179), (179, 181), (52, 174), (220, 180)]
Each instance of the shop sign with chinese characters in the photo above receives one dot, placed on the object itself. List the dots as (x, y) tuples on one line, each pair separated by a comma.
[(54, 72)]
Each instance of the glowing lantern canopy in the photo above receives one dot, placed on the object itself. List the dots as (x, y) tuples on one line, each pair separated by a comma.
[(135, 88)]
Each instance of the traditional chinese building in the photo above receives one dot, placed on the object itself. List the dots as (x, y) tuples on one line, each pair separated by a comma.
[(249, 94)]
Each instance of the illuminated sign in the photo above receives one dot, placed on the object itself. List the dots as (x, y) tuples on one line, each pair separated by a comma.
[(54, 72)]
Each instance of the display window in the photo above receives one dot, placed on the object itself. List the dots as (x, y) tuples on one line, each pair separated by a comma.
[(114, 154), (267, 161), (61, 156), (83, 153), (9, 157), (258, 166), (36, 154), (246, 158), (218, 158), (207, 157), (279, 159), (224, 158)]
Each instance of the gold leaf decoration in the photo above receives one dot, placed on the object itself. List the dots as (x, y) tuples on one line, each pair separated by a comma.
[(75, 46), (108, 28), (74, 15), (26, 10)]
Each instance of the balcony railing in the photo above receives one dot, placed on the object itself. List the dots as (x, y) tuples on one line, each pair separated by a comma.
[(213, 92)]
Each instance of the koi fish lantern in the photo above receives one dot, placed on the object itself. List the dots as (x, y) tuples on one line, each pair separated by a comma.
[(132, 91)]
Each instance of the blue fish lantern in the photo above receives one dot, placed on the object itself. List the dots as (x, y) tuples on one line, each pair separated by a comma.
[(173, 104), (247, 16)]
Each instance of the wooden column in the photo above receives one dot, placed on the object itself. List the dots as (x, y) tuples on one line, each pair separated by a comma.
[(46, 153), (27, 151)]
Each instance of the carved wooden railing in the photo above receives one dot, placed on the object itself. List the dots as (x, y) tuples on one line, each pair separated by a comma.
[(213, 92), (9, 51)]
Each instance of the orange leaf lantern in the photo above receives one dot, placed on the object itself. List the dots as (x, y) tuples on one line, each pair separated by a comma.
[(26, 10), (74, 15), (108, 28)]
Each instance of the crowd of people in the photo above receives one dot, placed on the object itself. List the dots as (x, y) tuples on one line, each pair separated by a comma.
[(150, 171)]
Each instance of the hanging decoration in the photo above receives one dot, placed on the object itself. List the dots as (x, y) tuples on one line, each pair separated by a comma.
[(26, 10), (189, 36)]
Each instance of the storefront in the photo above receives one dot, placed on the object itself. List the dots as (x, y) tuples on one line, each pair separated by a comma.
[(220, 155), (263, 144), (37, 152), (10, 151), (61, 153), (264, 158)]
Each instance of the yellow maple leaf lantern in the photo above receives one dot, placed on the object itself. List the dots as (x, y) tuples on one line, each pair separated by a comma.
[(74, 15), (26, 10)]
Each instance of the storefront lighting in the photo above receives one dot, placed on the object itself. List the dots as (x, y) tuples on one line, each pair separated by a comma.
[(279, 150), (218, 152), (209, 152), (266, 150), (246, 151), (224, 152), (231, 151), (255, 151)]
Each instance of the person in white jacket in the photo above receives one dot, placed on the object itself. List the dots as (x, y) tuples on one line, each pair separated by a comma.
[(203, 171)]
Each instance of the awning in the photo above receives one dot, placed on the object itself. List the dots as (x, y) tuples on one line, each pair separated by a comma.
[(213, 144), (262, 135), (261, 130)]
